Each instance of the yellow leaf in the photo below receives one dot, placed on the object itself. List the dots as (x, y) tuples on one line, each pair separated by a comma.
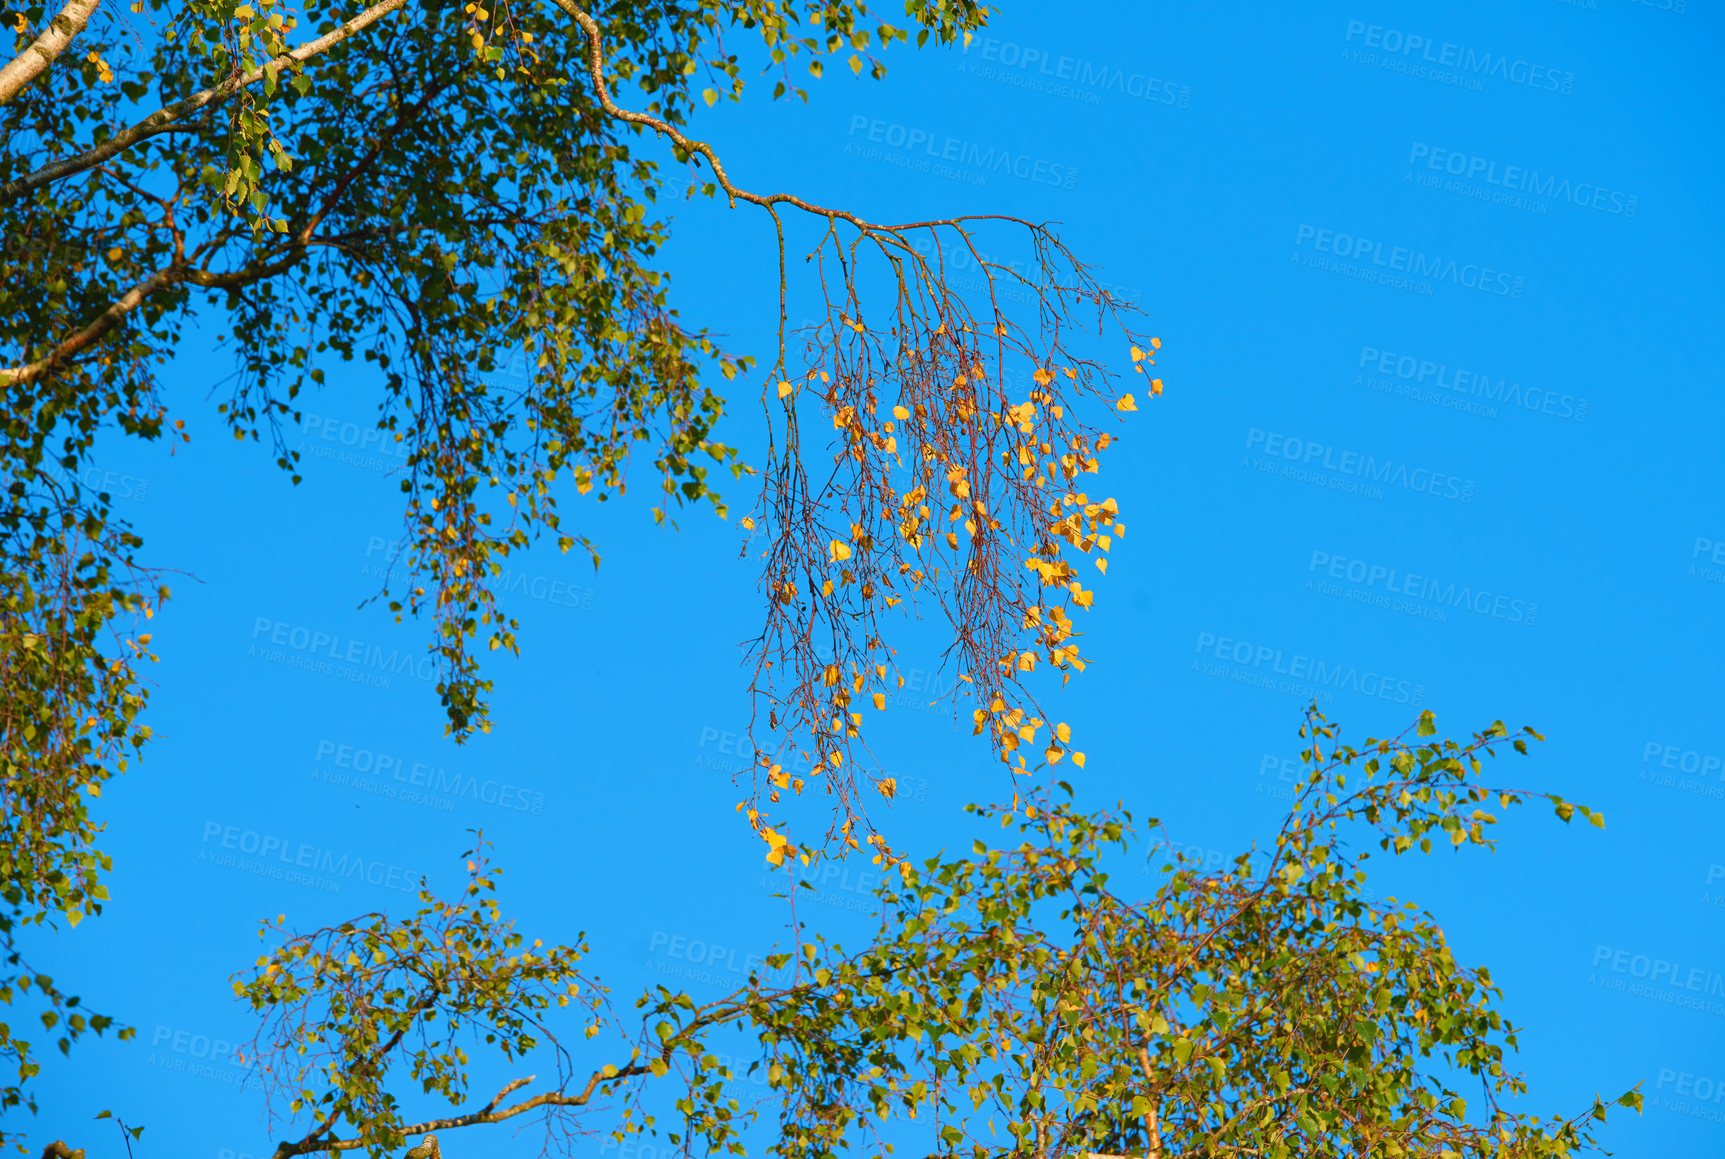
[(880, 701), (1126, 403), (1078, 759), (785, 388), (1155, 386), (899, 413), (748, 524), (839, 550), (887, 787)]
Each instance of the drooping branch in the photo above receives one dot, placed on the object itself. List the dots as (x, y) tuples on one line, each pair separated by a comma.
[(956, 423), (55, 38)]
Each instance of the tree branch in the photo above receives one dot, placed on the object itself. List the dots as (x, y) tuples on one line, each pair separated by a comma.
[(163, 120), (135, 297), (487, 1115), (168, 120), (34, 60), (92, 333), (596, 67)]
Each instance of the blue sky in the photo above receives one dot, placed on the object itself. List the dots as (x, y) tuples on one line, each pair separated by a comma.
[(1478, 241)]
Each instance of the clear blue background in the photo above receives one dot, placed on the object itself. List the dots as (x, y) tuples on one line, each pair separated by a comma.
[(615, 724)]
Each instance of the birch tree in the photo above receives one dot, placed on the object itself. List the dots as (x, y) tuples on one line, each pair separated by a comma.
[(412, 187)]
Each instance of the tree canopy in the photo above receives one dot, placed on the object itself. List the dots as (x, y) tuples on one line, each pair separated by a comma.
[(1015, 1002), (415, 187)]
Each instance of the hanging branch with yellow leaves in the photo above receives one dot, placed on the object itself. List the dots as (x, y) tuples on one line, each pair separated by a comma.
[(957, 475), (422, 186)]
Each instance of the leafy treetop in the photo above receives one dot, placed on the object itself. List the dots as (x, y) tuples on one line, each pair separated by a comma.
[(1013, 1003)]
